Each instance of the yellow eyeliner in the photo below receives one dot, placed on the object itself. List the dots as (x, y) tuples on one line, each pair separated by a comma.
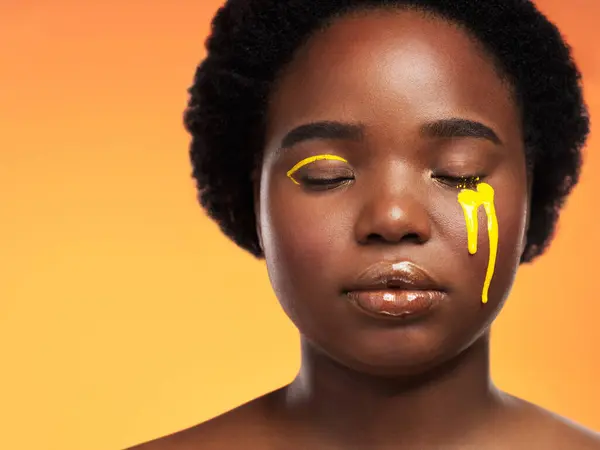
[(471, 200), (310, 159)]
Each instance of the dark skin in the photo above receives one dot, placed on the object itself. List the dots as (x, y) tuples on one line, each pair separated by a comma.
[(365, 383)]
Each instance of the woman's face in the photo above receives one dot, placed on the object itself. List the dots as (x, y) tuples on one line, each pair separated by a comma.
[(383, 78)]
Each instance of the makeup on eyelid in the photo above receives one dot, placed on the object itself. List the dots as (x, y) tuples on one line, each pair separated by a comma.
[(309, 160)]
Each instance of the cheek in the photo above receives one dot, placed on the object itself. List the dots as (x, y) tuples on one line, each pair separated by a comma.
[(468, 271), (511, 213), (301, 236)]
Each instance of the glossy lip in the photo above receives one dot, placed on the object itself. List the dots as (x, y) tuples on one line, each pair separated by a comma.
[(395, 290)]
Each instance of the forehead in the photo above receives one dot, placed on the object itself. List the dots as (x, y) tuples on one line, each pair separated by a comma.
[(390, 65)]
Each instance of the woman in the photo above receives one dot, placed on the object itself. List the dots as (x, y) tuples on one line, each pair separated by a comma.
[(356, 145)]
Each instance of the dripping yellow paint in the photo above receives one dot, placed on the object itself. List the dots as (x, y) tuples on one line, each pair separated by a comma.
[(310, 159), (471, 200)]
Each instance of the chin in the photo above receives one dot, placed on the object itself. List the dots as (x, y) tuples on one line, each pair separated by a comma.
[(407, 357)]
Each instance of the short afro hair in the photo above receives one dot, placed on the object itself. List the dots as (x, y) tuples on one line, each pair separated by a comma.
[(252, 40)]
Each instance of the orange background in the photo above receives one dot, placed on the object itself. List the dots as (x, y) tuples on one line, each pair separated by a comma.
[(124, 313)]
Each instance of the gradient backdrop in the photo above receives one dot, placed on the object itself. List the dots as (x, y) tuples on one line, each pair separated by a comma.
[(124, 313)]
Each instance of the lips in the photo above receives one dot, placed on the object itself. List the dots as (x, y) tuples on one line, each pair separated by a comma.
[(395, 290)]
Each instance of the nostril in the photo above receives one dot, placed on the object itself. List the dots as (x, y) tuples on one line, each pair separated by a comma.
[(375, 238)]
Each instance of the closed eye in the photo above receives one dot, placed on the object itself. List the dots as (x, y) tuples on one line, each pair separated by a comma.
[(461, 182), (325, 183)]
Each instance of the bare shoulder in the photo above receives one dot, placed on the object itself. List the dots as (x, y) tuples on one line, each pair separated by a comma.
[(245, 424), (564, 433), (549, 430)]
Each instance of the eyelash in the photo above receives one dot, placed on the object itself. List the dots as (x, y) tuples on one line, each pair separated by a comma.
[(463, 182), (326, 182)]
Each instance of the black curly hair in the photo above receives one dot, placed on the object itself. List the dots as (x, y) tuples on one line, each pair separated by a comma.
[(252, 40)]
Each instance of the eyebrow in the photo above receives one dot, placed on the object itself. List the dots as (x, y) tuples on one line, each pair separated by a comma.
[(457, 127), (443, 128), (323, 130)]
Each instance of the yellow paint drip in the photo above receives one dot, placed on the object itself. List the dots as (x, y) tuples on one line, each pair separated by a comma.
[(310, 159), (471, 200)]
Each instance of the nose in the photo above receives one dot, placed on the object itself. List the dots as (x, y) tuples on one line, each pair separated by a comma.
[(393, 215)]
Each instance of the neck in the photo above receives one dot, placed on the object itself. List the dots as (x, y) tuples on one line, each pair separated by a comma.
[(345, 406)]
